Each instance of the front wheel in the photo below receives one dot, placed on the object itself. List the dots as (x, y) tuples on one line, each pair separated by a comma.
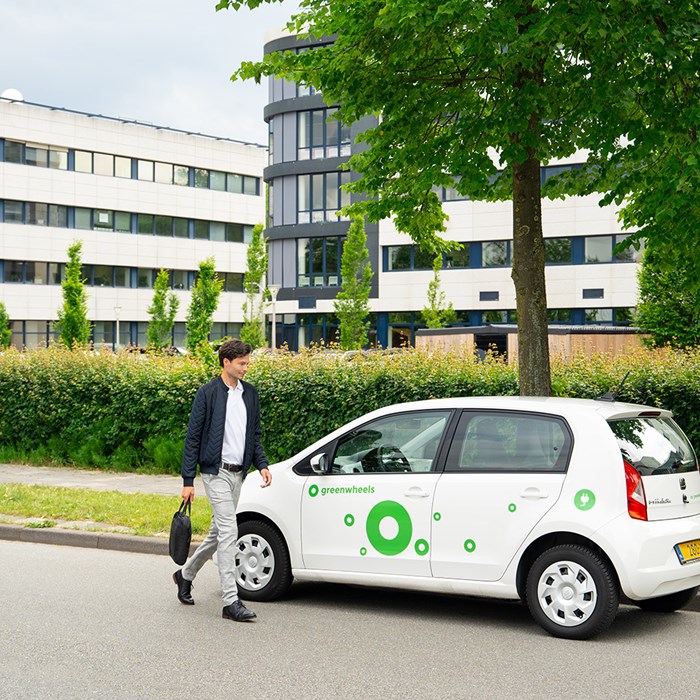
[(572, 592), (263, 569), (668, 603)]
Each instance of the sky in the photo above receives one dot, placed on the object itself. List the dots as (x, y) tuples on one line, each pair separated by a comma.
[(163, 62)]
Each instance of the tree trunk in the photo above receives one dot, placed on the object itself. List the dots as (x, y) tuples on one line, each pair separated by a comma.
[(528, 278)]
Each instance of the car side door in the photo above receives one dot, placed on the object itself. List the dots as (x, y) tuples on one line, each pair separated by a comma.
[(504, 471), (370, 512)]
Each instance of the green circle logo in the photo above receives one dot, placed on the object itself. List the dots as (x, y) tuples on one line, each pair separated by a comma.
[(512, 507), (363, 551), (584, 499), (313, 490), (421, 547), (469, 545), (349, 520), (396, 512), (437, 516)]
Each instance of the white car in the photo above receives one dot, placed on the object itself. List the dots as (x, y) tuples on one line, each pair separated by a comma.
[(562, 503)]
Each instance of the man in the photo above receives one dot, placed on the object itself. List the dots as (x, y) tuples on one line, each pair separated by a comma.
[(223, 437)]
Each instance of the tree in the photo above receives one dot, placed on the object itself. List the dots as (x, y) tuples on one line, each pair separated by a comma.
[(479, 94), (162, 311), (438, 313), (253, 330), (72, 322), (205, 299), (667, 308), (5, 329), (352, 302)]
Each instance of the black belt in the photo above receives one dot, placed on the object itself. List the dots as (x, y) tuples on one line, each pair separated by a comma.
[(232, 467)]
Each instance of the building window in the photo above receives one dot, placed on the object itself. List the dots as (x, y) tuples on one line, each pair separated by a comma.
[(558, 251), (164, 173), (103, 164), (145, 170), (457, 258), (82, 162), (321, 135), (14, 212), (320, 197), (14, 152), (122, 166), (318, 261), (495, 254), (598, 316)]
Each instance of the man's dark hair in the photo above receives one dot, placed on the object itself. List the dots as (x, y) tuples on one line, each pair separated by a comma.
[(232, 349)]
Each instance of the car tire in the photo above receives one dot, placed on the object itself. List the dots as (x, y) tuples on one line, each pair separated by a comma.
[(263, 569), (572, 592), (667, 603)]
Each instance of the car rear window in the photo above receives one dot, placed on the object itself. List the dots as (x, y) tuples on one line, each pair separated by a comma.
[(654, 445)]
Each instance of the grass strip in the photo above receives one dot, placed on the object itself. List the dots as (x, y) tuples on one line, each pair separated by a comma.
[(143, 514)]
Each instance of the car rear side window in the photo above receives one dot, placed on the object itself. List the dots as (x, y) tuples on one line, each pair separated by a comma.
[(654, 445), (512, 442)]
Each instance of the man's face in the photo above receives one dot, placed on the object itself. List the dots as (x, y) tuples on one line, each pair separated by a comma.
[(235, 369)]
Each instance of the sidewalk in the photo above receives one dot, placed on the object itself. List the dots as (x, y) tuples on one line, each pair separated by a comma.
[(70, 533)]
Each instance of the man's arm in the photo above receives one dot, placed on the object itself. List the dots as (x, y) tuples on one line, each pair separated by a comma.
[(193, 439)]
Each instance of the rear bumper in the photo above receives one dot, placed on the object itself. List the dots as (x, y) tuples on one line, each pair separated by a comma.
[(644, 556)]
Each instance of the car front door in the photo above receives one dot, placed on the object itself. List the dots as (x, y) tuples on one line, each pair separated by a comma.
[(371, 512), (503, 472)]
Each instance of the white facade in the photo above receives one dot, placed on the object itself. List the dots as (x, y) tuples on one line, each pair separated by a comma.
[(100, 171)]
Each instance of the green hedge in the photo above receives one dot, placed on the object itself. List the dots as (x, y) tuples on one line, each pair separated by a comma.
[(130, 412)]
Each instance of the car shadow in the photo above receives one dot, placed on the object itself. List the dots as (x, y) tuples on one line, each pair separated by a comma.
[(630, 621)]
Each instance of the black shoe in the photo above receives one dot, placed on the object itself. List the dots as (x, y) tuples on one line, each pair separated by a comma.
[(238, 612), (184, 588)]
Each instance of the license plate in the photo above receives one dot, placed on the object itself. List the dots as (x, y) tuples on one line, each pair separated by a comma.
[(688, 551)]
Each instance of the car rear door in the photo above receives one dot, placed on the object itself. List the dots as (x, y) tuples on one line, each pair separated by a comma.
[(662, 455), (503, 472)]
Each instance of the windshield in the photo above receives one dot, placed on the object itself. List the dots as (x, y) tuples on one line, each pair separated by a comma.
[(654, 445)]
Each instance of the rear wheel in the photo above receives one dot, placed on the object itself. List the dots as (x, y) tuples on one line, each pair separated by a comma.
[(668, 603), (572, 592), (263, 570)]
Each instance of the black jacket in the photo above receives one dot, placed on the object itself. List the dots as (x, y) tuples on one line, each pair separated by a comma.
[(205, 431)]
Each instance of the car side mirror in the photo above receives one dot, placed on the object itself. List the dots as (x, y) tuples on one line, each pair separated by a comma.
[(319, 463)]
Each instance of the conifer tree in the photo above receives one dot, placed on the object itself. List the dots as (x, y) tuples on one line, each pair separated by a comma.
[(162, 311), (352, 302), (72, 321)]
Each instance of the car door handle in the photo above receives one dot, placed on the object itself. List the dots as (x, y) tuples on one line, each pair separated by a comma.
[(416, 492), (533, 493)]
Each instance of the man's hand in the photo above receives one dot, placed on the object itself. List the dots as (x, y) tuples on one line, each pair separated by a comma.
[(266, 477), (187, 493)]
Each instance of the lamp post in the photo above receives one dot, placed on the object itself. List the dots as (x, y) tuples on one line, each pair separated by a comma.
[(117, 311), (274, 288)]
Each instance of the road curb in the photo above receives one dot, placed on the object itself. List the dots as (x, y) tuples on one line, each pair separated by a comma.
[(84, 538)]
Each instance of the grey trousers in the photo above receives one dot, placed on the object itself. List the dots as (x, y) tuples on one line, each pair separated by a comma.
[(223, 490)]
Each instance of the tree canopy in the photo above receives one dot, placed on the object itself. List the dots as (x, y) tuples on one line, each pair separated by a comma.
[(479, 94)]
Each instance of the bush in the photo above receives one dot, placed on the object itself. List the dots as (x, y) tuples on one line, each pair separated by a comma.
[(129, 411)]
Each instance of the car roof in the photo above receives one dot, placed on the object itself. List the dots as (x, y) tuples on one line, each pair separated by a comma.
[(539, 404)]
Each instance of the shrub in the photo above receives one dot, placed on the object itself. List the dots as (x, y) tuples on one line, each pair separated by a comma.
[(129, 411)]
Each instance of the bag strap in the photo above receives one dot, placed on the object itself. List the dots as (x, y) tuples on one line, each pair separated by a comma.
[(185, 507)]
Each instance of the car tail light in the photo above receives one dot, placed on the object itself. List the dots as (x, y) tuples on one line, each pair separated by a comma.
[(636, 498)]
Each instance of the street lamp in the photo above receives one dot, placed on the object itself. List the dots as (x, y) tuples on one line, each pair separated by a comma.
[(273, 288), (117, 311)]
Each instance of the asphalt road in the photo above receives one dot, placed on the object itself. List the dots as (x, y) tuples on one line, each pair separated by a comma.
[(84, 623)]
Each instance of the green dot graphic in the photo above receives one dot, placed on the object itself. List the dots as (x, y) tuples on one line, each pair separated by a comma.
[(584, 499), (421, 547), (470, 545), (349, 520), (437, 516), (512, 507), (313, 490), (363, 551), (395, 511)]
